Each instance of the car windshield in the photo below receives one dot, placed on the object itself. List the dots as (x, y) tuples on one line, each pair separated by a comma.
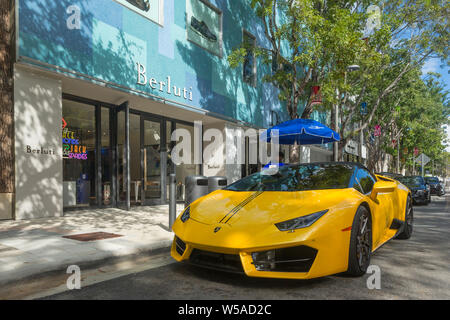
[(432, 180), (411, 181), (297, 178), (388, 174)]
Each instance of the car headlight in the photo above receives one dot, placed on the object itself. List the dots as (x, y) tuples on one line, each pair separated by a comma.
[(300, 222), (186, 214)]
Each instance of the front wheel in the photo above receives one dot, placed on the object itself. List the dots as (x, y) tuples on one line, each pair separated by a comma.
[(360, 243), (409, 219)]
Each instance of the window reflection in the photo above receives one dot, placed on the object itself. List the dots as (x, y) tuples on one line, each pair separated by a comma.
[(297, 178)]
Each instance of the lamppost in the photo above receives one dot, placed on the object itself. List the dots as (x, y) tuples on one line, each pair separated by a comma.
[(353, 67)]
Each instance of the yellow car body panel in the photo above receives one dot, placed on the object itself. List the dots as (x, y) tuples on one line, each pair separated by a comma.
[(249, 226)]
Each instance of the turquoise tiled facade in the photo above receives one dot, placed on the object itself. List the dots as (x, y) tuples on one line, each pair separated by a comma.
[(113, 39)]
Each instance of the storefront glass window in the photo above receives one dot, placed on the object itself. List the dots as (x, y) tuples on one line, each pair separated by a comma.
[(249, 61), (152, 159), (106, 157), (79, 154), (121, 181), (135, 159), (169, 145)]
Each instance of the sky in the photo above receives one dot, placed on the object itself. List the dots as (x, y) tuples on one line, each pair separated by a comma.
[(435, 65)]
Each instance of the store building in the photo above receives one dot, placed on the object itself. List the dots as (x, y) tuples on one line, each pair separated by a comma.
[(100, 86)]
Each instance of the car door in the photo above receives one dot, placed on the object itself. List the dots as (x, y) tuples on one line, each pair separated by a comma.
[(380, 207)]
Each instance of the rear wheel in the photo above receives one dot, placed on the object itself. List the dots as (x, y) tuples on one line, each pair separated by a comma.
[(360, 243), (409, 219)]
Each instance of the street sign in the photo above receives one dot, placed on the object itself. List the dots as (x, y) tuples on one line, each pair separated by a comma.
[(364, 108), (352, 148), (423, 159)]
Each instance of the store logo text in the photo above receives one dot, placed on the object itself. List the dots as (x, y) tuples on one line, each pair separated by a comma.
[(162, 86)]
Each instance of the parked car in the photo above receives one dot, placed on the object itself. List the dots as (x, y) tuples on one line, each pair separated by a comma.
[(435, 186), (300, 221), (419, 188)]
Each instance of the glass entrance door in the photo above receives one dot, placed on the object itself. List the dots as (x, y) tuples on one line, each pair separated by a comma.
[(123, 157), (152, 160)]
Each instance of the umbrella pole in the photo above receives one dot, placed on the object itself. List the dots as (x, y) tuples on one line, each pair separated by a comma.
[(300, 153)]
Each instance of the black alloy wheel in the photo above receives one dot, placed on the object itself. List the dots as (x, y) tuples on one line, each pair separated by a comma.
[(360, 243), (409, 220)]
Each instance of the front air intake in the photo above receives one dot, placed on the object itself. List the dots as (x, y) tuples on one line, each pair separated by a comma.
[(217, 261), (292, 259), (180, 246)]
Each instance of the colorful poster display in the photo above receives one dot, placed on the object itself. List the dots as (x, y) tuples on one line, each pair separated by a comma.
[(71, 145), (204, 25), (150, 9)]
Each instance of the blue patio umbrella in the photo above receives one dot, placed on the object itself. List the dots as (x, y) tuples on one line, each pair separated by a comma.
[(302, 131)]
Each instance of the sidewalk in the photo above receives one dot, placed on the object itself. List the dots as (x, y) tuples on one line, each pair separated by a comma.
[(31, 247)]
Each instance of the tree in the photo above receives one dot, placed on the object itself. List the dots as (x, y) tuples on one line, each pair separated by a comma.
[(310, 44), (424, 121), (6, 97), (413, 118), (410, 33), (313, 41)]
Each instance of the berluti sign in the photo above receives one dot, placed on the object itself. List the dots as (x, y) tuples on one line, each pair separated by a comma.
[(40, 150), (165, 85)]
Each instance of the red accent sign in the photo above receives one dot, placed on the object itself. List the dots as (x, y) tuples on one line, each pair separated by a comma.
[(316, 97), (377, 132), (64, 123)]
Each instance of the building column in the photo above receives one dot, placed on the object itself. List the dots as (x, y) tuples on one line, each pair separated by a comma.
[(7, 56), (38, 145)]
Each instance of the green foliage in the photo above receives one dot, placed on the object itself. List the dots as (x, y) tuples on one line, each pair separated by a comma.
[(312, 42)]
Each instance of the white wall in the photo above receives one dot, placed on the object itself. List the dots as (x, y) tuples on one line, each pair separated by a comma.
[(37, 116), (215, 161), (319, 155), (233, 171)]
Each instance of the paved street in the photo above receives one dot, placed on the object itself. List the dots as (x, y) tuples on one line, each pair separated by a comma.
[(410, 269)]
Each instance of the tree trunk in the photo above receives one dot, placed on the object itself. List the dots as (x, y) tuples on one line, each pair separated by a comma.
[(6, 97)]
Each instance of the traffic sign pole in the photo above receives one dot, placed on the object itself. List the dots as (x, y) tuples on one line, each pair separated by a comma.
[(422, 163)]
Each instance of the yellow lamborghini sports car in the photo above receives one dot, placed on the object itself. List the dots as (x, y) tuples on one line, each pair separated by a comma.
[(299, 221)]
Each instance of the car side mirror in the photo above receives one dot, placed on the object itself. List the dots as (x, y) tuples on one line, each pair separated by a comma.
[(382, 187)]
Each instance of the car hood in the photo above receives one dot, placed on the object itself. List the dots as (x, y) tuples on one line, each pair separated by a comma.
[(249, 208)]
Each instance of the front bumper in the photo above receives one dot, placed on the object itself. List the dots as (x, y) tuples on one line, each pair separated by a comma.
[(420, 197), (436, 190), (229, 247), (299, 261)]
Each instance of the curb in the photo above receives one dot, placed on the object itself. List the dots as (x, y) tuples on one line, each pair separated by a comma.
[(154, 249)]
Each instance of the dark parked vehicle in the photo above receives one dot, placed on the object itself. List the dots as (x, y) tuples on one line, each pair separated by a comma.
[(419, 188), (435, 186)]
